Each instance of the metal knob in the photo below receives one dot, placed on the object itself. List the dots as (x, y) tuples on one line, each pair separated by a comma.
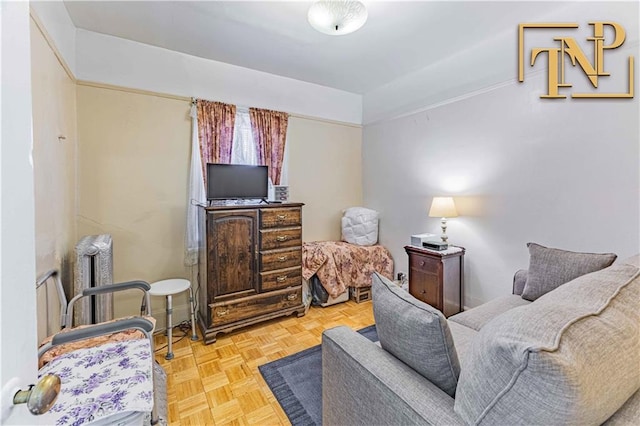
[(281, 278), (41, 396), (281, 238), (281, 216), (282, 259)]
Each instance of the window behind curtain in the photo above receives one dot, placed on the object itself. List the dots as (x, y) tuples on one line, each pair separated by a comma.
[(243, 150)]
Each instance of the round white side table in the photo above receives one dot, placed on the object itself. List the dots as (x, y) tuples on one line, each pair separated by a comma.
[(168, 288)]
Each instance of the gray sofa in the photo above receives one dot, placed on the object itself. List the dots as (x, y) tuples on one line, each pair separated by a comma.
[(590, 376)]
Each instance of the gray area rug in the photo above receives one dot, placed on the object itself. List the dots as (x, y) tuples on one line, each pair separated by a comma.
[(296, 382)]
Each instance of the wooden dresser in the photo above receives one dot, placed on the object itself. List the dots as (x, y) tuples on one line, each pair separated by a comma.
[(250, 267), (437, 278)]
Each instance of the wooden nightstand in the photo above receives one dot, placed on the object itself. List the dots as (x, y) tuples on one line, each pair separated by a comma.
[(437, 278)]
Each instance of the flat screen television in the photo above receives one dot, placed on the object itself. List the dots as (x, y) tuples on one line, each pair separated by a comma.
[(231, 181)]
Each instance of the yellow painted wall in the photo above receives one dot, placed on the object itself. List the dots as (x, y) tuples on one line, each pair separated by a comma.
[(133, 164), (325, 173), (54, 164)]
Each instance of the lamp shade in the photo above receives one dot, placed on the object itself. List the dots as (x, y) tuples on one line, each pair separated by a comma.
[(443, 207), (337, 17)]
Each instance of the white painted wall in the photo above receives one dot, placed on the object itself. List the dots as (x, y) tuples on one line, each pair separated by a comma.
[(490, 62), (561, 173), (17, 251), (112, 60), (55, 18)]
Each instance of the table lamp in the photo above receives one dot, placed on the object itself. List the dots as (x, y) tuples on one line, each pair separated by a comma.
[(443, 207)]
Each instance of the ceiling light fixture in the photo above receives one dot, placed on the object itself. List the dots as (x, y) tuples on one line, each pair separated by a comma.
[(337, 17)]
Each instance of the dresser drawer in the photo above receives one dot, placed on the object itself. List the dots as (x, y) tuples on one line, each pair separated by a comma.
[(280, 238), (284, 217), (281, 279), (247, 307), (279, 259)]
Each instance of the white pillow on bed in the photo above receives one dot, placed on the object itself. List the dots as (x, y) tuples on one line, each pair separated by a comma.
[(360, 226)]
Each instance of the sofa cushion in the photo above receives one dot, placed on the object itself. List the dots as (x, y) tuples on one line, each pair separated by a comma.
[(462, 338), (628, 414), (415, 333), (570, 357), (477, 317), (549, 268)]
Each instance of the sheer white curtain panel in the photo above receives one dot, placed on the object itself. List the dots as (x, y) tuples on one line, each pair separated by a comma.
[(197, 195), (243, 150)]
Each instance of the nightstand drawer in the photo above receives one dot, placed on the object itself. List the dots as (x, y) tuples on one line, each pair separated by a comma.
[(426, 287), (424, 263), (280, 238)]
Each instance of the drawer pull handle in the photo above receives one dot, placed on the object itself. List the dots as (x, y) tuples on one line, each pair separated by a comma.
[(281, 238), (422, 263), (281, 278), (282, 259), (281, 216), (222, 313), (292, 296)]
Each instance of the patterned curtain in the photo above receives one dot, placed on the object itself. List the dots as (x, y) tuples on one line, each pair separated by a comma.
[(215, 129), (270, 134)]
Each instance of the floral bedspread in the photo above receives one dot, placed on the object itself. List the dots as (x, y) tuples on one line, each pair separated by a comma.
[(100, 381), (340, 265), (118, 336)]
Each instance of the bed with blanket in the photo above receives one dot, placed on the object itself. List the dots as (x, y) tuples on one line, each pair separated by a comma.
[(339, 265)]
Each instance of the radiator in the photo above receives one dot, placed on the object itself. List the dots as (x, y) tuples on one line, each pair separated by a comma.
[(94, 267)]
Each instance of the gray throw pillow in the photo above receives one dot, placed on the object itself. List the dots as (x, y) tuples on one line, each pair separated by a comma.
[(415, 333), (549, 268)]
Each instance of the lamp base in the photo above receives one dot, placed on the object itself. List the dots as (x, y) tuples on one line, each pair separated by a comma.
[(443, 225)]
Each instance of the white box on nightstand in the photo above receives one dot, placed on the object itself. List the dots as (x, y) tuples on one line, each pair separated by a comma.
[(418, 239)]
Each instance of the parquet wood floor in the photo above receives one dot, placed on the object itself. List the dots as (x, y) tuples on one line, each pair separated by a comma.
[(219, 384)]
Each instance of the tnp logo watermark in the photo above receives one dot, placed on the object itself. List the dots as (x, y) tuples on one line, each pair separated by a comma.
[(567, 51)]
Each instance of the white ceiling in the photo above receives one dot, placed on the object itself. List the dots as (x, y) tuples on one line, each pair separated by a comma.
[(398, 38)]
